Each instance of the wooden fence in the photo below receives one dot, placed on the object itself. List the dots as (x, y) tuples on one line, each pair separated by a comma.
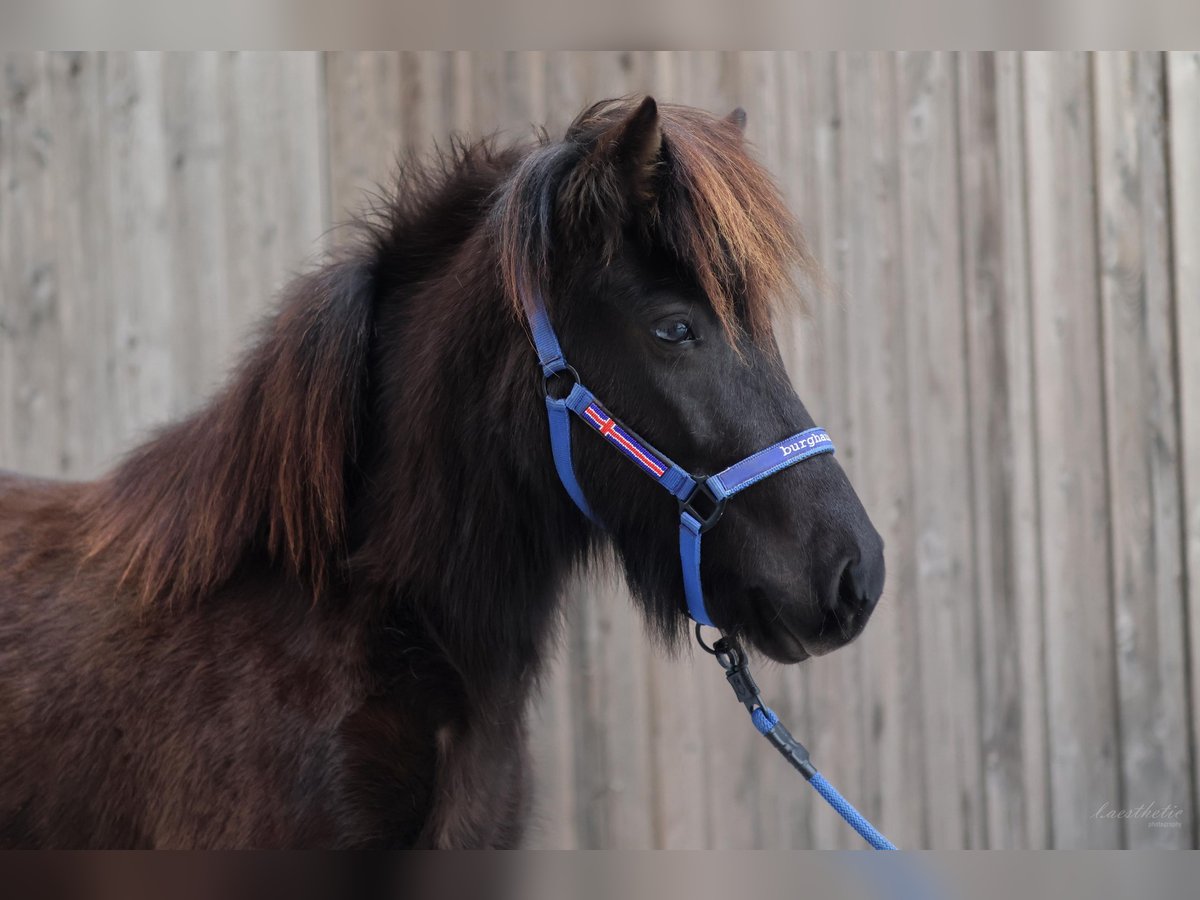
[(1010, 363)]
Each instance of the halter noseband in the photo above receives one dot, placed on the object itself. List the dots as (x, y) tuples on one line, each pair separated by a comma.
[(701, 499)]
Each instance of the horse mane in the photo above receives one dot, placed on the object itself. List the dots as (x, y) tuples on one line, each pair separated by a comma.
[(263, 465), (711, 206), (268, 468)]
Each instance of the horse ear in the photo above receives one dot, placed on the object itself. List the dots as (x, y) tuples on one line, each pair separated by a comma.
[(631, 149), (616, 178), (737, 118)]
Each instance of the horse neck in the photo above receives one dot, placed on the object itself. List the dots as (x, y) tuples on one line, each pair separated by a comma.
[(461, 516)]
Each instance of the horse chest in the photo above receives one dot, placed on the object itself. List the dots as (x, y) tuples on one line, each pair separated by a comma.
[(432, 772)]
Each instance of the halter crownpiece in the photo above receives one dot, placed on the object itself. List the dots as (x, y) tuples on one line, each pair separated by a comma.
[(701, 499)]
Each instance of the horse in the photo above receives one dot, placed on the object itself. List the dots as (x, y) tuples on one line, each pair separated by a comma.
[(313, 613)]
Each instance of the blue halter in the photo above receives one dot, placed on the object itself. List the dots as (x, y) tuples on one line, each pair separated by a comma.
[(701, 499), (701, 502)]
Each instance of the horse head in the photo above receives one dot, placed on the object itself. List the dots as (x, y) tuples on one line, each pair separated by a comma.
[(661, 251)]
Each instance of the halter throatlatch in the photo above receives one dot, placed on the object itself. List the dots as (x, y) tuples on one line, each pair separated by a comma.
[(701, 503), (701, 499)]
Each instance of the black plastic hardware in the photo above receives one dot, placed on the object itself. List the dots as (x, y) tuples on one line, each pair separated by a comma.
[(793, 751), (732, 657), (703, 505)]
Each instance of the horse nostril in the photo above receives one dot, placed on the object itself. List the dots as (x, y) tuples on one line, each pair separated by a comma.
[(857, 589)]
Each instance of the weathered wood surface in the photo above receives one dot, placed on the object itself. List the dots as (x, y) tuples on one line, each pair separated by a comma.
[(1183, 89), (1069, 422), (1007, 348), (1142, 433), (1012, 702)]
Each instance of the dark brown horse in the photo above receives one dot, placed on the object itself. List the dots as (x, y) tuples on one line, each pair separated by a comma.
[(313, 613)]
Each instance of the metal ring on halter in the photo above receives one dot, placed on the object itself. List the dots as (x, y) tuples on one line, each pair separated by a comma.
[(700, 640), (565, 370)]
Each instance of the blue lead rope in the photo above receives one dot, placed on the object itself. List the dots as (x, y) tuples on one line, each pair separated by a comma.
[(766, 721), (733, 659), (853, 817)]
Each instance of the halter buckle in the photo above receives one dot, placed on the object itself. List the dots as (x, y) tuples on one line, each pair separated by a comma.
[(704, 505)]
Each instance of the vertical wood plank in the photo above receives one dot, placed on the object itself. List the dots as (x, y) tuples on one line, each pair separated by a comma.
[(31, 307), (245, 199), (366, 136), (837, 729), (508, 94), (1072, 472), (83, 250), (890, 650), (275, 182), (385, 107), (142, 254), (194, 152), (792, 159), (1143, 445), (708, 78), (1183, 91), (941, 477), (553, 824), (427, 106), (1004, 490)]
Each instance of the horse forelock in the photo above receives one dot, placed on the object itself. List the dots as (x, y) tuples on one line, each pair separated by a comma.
[(713, 207)]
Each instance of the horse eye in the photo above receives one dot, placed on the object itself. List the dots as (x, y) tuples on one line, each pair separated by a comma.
[(674, 331)]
